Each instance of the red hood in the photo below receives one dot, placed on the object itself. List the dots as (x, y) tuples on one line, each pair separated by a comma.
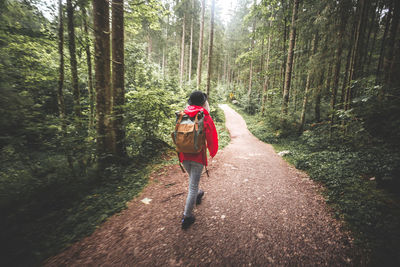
[(192, 110)]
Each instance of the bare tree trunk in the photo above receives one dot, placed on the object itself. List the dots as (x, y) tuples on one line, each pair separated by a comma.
[(89, 66), (371, 13), (391, 45), (295, 78), (225, 69), (352, 56), (356, 70), (308, 84), (191, 46), (102, 77), (210, 48), (165, 51), (383, 44), (346, 80), (163, 62), (374, 38), (367, 30), (118, 76), (284, 58), (266, 79), (182, 62), (73, 62), (60, 94), (262, 56), (289, 63), (338, 61), (251, 59), (200, 55), (317, 107), (276, 73), (149, 46)]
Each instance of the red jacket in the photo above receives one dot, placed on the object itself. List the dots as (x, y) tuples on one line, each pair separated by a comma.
[(211, 137)]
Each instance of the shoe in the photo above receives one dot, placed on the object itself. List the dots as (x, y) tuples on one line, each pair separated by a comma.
[(199, 197), (187, 221)]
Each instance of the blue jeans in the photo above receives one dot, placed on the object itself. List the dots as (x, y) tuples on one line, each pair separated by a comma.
[(194, 170)]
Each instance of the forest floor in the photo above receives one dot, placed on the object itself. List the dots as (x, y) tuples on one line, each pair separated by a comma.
[(257, 210)]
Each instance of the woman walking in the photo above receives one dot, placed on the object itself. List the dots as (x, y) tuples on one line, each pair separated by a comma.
[(195, 162)]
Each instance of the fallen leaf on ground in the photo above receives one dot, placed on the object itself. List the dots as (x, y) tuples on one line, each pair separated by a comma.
[(146, 200)]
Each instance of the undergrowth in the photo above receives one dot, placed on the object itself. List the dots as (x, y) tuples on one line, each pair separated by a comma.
[(64, 212), (360, 183)]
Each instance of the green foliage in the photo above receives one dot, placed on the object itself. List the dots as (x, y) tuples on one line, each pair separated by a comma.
[(219, 119), (144, 15), (149, 116), (378, 116)]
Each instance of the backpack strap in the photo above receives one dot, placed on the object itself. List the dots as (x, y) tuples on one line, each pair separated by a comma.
[(178, 122), (196, 122)]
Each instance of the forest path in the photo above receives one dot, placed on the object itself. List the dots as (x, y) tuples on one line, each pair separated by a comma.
[(257, 210)]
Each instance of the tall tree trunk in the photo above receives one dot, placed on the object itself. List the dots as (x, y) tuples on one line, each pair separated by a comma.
[(165, 50), (163, 62), (200, 55), (274, 81), (60, 94), (289, 63), (89, 69), (73, 62), (338, 62), (149, 46), (284, 57), (102, 78), (262, 56), (210, 48), (367, 31), (182, 62), (295, 79), (266, 79), (374, 38), (191, 46), (317, 107), (351, 69), (251, 59), (308, 83), (118, 76), (391, 45), (345, 79), (347, 73), (225, 69), (359, 43), (383, 45), (372, 14)]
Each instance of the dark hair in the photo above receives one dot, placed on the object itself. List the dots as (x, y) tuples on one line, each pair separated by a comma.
[(197, 98)]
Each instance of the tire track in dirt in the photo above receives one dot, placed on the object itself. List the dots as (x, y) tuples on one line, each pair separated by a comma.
[(257, 211)]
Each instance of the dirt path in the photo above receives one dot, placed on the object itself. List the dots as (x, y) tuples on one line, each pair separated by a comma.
[(257, 211)]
